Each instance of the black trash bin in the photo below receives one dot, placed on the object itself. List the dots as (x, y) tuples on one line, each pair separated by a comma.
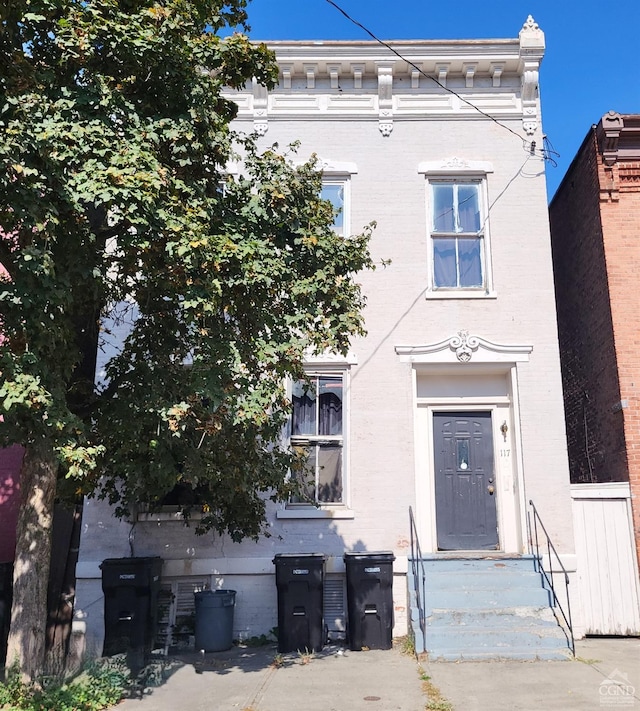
[(370, 599), (6, 587), (214, 619), (299, 579), (130, 587)]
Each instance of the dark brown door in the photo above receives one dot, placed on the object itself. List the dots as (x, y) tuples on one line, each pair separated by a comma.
[(465, 482)]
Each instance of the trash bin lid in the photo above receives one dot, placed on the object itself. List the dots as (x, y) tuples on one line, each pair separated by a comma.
[(300, 555), (288, 558), (143, 562), (213, 593), (373, 556), (130, 572), (214, 598)]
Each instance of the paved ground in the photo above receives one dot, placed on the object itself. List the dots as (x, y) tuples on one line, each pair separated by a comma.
[(605, 677), (259, 679)]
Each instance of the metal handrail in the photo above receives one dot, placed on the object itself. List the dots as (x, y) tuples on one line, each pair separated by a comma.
[(537, 521), (419, 575)]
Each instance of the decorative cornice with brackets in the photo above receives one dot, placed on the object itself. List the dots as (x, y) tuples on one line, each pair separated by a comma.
[(464, 348), (385, 97), (360, 80), (532, 46), (260, 108), (618, 140)]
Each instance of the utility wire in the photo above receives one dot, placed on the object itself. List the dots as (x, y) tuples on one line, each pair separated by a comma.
[(503, 191), (444, 213), (529, 147)]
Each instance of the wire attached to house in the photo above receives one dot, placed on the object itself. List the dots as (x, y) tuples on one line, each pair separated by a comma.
[(548, 152), (481, 229), (529, 147)]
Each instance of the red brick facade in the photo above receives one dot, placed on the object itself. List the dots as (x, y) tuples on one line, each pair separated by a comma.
[(595, 229)]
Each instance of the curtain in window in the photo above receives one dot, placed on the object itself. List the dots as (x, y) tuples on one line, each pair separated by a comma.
[(470, 263), (317, 413), (468, 209), (303, 420), (443, 213), (330, 410), (444, 262)]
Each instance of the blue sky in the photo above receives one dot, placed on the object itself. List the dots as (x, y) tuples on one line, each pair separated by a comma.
[(591, 65)]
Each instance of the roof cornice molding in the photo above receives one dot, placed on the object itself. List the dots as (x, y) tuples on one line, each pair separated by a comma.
[(619, 137), (344, 56), (427, 78)]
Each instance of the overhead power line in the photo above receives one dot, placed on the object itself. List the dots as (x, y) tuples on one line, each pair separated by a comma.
[(546, 153)]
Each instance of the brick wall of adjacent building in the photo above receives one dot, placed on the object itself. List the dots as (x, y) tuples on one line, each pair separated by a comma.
[(595, 225), (595, 434), (621, 227)]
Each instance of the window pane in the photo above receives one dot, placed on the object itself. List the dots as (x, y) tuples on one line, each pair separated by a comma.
[(317, 423), (330, 473), (468, 208), (330, 411), (303, 420), (305, 474), (334, 192), (470, 263), (443, 214), (462, 454), (444, 262)]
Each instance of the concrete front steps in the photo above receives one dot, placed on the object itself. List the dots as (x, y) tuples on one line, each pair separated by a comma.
[(492, 607)]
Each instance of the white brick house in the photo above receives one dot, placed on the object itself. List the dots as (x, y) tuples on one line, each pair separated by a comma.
[(460, 368)]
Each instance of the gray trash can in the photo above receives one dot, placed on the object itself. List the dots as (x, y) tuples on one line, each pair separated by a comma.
[(214, 619)]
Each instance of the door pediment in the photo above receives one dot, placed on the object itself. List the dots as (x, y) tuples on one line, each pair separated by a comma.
[(464, 348)]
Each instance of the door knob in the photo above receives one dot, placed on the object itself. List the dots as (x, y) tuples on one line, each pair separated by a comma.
[(490, 489)]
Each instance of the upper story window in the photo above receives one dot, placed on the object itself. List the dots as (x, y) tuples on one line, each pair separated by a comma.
[(335, 190), (317, 433), (459, 254), (457, 235)]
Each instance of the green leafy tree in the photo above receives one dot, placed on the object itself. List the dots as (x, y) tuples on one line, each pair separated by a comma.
[(114, 202)]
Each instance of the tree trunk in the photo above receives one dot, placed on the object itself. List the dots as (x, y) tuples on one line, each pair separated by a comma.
[(26, 644)]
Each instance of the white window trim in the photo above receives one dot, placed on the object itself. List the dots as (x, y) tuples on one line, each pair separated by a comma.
[(465, 171), (345, 183), (339, 173), (169, 513), (301, 511), (327, 364)]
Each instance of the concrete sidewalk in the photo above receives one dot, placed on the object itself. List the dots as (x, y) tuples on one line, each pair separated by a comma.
[(605, 677), (260, 679)]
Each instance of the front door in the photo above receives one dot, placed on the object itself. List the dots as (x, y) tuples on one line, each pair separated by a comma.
[(464, 481)]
